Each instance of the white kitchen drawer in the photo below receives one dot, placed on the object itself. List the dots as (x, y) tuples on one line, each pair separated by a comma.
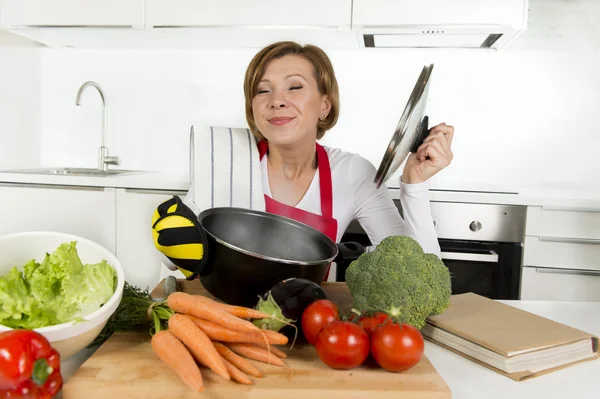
[(562, 253), (563, 222), (19, 13), (330, 13), (540, 284), (141, 260)]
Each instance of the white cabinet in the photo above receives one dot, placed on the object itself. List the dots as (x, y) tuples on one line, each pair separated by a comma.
[(88, 212), (563, 222), (553, 284), (118, 219), (386, 13), (20, 13), (227, 13), (568, 253), (135, 249), (180, 23), (561, 258)]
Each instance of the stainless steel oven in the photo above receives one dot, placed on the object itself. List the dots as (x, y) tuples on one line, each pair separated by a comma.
[(481, 244)]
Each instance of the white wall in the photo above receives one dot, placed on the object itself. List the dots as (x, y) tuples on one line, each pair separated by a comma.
[(19, 103), (523, 116)]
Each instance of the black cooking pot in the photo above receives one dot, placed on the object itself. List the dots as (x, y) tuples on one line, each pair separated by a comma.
[(248, 251)]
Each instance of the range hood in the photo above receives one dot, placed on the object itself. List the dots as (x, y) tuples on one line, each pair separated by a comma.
[(487, 24)]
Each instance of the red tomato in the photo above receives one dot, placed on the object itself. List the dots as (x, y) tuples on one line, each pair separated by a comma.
[(397, 347), (372, 321), (342, 345), (316, 316)]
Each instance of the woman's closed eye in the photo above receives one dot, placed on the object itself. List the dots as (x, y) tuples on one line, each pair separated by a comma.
[(264, 90)]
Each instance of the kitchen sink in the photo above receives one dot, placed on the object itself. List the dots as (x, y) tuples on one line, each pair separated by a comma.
[(75, 171)]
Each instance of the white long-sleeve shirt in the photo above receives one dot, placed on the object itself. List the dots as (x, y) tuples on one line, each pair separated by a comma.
[(356, 197)]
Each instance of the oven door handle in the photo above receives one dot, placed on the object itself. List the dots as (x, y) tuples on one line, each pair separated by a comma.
[(492, 257)]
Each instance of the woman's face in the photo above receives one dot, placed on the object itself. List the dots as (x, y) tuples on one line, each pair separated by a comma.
[(287, 104)]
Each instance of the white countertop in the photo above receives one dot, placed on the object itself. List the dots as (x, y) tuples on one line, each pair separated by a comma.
[(551, 196), (468, 380), (143, 180)]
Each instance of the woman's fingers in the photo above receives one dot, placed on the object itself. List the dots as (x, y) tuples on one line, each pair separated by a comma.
[(437, 159), (436, 151), (433, 155), (447, 130), (438, 141), (440, 137)]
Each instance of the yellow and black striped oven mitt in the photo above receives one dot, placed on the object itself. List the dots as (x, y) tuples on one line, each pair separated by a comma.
[(177, 234)]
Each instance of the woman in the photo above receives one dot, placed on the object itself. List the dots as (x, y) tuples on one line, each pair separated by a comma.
[(291, 101)]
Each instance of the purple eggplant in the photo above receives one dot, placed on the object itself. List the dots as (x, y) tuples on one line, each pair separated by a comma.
[(286, 301)]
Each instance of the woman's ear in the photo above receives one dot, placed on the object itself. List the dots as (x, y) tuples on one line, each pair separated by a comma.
[(325, 106)]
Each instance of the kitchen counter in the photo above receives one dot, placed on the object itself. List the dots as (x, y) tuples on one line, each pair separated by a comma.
[(143, 180), (469, 380), (549, 196)]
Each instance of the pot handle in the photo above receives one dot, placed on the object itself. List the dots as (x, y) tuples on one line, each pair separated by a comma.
[(347, 252)]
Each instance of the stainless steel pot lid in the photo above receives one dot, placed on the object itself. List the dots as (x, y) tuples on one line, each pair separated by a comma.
[(411, 130)]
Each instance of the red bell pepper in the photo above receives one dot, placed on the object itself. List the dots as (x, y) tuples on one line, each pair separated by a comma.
[(29, 366)]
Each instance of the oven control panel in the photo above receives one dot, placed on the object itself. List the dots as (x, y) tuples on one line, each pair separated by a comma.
[(480, 222)]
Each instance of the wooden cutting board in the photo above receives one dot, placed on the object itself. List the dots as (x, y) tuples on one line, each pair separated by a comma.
[(125, 367)]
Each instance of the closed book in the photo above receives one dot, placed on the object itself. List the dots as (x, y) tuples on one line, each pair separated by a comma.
[(511, 341)]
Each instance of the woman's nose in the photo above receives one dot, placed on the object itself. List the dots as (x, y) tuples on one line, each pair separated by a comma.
[(278, 101)]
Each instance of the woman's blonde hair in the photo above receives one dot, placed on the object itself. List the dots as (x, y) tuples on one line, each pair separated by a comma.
[(323, 73)]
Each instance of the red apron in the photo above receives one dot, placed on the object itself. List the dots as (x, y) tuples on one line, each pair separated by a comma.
[(325, 223)]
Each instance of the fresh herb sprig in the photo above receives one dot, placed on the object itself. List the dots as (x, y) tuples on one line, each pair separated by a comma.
[(137, 311)]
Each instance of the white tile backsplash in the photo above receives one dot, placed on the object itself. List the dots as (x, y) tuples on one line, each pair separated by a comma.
[(521, 117), (19, 105)]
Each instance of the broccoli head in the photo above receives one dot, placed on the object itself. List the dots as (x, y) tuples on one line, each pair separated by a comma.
[(400, 279)]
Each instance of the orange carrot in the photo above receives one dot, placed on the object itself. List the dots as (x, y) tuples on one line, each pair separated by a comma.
[(190, 305), (237, 374), (200, 346), (239, 311), (238, 361), (219, 333), (276, 351), (275, 337), (173, 353), (256, 353)]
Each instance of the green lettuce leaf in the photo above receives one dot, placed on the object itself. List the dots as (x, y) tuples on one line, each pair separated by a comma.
[(58, 290), (86, 291)]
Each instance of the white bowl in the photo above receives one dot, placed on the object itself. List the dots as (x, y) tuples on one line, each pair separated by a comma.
[(67, 338)]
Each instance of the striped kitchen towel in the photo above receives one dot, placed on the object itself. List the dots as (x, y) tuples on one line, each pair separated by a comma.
[(224, 172), (225, 169)]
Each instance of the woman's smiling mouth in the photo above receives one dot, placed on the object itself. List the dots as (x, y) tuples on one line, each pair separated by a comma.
[(280, 121)]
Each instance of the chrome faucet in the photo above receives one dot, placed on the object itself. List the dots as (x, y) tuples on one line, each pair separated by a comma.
[(103, 158)]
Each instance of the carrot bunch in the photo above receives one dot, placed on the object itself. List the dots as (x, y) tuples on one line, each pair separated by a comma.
[(216, 336)]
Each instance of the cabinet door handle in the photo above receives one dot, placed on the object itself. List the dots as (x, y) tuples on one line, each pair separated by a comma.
[(51, 186), (151, 191), (567, 209), (492, 257), (568, 271), (590, 241)]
